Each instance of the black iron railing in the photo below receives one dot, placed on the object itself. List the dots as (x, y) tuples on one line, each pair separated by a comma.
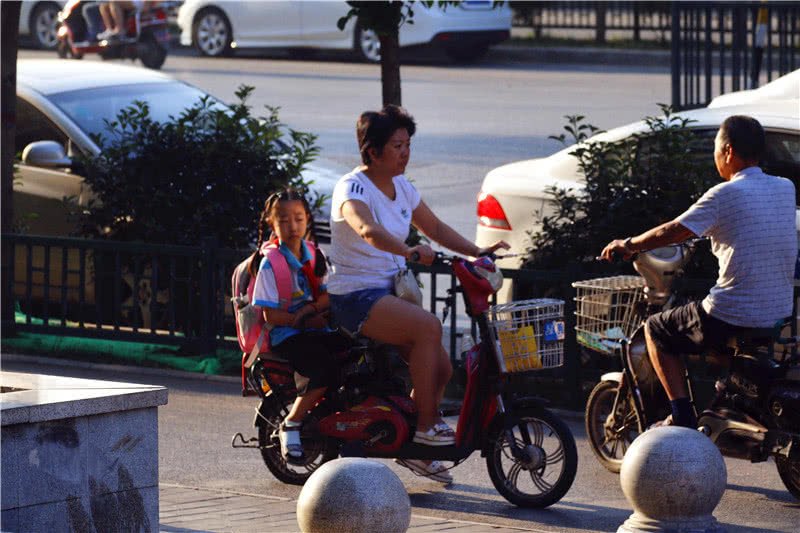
[(631, 18), (180, 295), (718, 47)]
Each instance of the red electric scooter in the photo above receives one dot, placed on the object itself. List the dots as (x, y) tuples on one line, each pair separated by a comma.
[(530, 452), (145, 37)]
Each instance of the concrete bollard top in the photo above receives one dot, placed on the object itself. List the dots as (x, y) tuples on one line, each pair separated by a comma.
[(673, 474), (353, 495)]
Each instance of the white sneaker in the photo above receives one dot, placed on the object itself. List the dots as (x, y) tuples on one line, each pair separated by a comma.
[(433, 470), (108, 34)]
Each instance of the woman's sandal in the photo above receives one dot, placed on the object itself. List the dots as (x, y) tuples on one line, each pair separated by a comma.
[(291, 447), (433, 470), (439, 435)]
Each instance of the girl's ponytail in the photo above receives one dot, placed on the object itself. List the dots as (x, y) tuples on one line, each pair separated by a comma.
[(320, 266)]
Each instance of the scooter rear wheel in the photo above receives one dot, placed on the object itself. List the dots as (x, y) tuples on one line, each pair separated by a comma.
[(610, 432), (789, 472), (316, 451), (546, 475)]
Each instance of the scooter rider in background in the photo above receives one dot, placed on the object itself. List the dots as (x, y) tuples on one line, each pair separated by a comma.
[(114, 17), (750, 219)]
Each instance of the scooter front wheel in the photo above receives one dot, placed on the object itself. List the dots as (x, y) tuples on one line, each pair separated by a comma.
[(789, 471), (544, 467), (611, 423), (314, 447)]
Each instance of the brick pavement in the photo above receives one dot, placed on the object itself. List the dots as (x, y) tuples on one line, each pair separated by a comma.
[(197, 510)]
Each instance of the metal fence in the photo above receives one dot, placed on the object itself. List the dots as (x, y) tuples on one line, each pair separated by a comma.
[(741, 44), (180, 295), (633, 18)]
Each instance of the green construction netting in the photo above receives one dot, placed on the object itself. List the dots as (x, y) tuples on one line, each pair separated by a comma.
[(222, 362)]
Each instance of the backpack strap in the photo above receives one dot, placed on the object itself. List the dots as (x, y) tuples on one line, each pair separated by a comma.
[(283, 276)]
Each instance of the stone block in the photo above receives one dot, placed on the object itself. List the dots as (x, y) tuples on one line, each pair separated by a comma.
[(122, 446), (53, 461), (9, 520), (46, 518), (9, 455), (127, 510)]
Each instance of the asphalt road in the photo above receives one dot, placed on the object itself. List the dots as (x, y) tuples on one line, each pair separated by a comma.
[(470, 118), (196, 426)]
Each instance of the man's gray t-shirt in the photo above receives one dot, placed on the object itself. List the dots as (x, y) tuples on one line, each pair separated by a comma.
[(751, 222)]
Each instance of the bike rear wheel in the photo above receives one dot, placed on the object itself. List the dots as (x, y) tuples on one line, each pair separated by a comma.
[(546, 474), (611, 429), (789, 471), (315, 448)]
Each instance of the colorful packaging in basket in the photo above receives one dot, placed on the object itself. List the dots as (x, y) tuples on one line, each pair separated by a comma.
[(519, 349)]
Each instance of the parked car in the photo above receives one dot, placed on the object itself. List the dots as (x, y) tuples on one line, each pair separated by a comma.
[(218, 27), (513, 195), (39, 22), (63, 103), (787, 87)]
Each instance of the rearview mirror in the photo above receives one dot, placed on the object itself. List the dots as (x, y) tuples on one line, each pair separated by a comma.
[(45, 154)]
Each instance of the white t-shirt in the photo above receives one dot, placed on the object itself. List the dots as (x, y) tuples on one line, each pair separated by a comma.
[(356, 264), (751, 222)]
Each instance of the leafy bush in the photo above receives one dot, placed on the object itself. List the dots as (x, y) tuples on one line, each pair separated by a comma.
[(630, 186), (205, 173)]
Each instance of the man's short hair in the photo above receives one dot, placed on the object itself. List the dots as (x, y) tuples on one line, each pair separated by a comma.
[(745, 135), (374, 128)]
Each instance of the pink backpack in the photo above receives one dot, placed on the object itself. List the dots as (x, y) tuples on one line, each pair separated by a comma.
[(251, 328)]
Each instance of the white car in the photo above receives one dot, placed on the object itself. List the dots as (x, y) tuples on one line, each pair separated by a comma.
[(67, 101), (216, 27), (39, 21), (787, 87), (513, 196), (62, 103)]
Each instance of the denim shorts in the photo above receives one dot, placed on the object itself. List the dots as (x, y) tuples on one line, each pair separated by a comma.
[(351, 310)]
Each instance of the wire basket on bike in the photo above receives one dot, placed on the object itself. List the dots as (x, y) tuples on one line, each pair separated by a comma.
[(605, 310), (529, 334)]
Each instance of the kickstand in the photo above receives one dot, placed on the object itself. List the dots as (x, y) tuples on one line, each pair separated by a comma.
[(239, 442)]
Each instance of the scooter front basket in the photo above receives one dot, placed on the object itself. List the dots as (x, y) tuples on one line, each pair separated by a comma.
[(528, 334)]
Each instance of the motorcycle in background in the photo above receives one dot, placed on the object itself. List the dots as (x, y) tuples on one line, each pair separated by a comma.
[(755, 412), (145, 37)]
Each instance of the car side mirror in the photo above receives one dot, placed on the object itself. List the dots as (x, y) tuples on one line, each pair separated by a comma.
[(45, 154)]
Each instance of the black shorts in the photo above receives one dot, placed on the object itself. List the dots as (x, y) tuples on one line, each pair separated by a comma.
[(311, 355), (688, 329)]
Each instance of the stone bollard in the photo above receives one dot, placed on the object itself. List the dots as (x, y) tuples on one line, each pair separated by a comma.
[(353, 495), (673, 477)]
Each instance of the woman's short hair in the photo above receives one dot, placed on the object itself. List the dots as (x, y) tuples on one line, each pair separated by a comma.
[(374, 128), (745, 135)]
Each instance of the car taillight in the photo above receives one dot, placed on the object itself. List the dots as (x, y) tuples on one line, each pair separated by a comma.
[(490, 214)]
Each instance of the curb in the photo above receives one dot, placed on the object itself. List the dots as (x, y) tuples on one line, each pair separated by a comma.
[(118, 368)]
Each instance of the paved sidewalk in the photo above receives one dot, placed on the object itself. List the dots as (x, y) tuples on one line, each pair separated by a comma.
[(196, 510)]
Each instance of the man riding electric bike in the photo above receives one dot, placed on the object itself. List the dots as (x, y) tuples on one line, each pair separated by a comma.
[(750, 220)]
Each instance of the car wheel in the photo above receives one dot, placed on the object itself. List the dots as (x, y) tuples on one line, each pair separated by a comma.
[(212, 33), (468, 54), (44, 26), (367, 45)]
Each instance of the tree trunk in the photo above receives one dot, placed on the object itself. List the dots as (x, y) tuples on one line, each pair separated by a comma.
[(9, 13), (8, 103), (390, 68)]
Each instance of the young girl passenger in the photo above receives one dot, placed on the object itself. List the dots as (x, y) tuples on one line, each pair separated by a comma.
[(300, 332)]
